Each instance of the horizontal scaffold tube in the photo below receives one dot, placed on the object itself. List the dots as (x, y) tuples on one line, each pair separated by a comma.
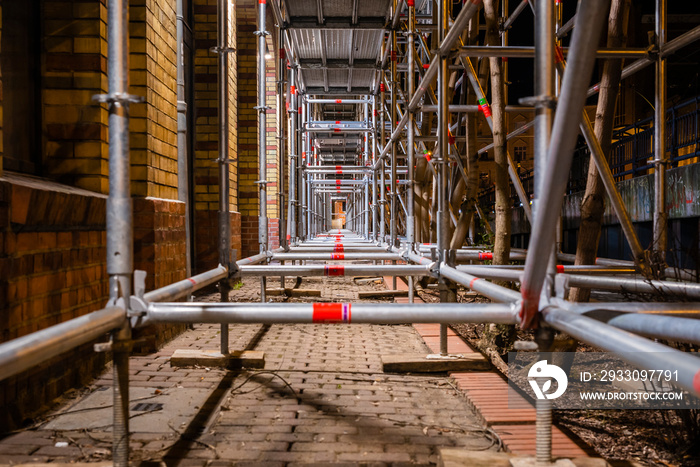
[(482, 255), (671, 328), (187, 286), (513, 272), (335, 270), (369, 313), (27, 351), (477, 284), (667, 308), (634, 285), (636, 350), (529, 52), (335, 256), (337, 249)]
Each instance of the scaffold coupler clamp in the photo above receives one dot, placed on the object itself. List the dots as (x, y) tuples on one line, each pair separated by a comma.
[(539, 102), (222, 50), (234, 272), (118, 98), (138, 307), (434, 269)]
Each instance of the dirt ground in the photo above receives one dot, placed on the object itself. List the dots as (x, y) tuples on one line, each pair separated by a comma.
[(651, 437)]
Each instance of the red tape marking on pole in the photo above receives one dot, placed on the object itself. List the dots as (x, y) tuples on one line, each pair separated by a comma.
[(696, 380), (558, 54), (560, 268), (485, 256), (338, 248), (337, 256), (192, 280), (471, 283), (331, 313), (335, 270)]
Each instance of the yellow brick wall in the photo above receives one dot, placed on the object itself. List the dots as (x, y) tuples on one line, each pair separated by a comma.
[(248, 117), (153, 65), (74, 69), (271, 132), (206, 98)]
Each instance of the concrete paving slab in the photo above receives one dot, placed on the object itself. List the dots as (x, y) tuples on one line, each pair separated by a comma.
[(151, 410)]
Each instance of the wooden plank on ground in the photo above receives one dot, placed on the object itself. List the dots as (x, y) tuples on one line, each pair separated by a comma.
[(382, 293), (278, 291), (417, 363), (213, 358)]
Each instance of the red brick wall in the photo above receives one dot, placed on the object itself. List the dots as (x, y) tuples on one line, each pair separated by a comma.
[(206, 243), (53, 268)]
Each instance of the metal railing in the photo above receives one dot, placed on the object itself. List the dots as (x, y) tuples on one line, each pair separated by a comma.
[(631, 154), (632, 151)]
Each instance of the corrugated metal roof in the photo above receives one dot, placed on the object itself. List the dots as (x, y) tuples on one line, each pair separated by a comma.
[(362, 78), (306, 42), (313, 77), (366, 43), (339, 8), (338, 77)]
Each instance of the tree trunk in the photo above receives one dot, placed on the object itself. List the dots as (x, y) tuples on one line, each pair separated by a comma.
[(593, 205), (471, 161), (501, 249)]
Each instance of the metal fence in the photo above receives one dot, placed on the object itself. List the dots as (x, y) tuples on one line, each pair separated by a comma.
[(632, 151)]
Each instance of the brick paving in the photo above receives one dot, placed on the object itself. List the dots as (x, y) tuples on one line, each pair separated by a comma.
[(321, 398)]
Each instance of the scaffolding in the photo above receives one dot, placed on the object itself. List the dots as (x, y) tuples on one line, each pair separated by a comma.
[(356, 162)]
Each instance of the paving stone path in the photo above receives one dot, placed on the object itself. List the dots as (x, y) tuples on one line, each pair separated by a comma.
[(321, 398)]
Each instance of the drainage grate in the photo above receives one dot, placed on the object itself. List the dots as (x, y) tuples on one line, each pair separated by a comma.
[(147, 407)]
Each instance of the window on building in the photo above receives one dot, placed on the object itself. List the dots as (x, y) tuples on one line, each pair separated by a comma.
[(21, 75), (519, 152)]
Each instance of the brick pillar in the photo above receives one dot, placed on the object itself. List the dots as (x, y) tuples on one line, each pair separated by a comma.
[(206, 192), (75, 58)]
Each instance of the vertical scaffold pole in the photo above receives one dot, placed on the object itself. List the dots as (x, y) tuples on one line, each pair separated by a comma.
[(411, 155), (182, 149), (120, 262), (281, 159), (392, 177), (293, 156), (382, 140), (224, 207), (365, 204), (375, 218), (545, 88), (443, 123), (301, 177), (661, 160), (262, 138)]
